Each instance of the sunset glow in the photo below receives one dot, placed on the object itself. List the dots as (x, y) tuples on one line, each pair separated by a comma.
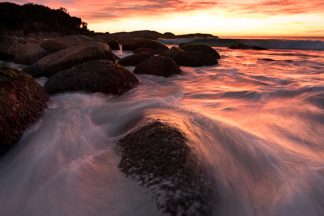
[(224, 18)]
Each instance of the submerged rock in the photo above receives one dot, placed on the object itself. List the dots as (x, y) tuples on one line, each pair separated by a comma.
[(133, 60), (159, 66), (244, 46), (22, 102), (93, 76), (70, 57), (200, 47), (192, 58), (59, 43), (134, 44), (158, 156)]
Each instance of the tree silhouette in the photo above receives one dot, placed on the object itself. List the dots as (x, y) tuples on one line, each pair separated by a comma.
[(38, 18)]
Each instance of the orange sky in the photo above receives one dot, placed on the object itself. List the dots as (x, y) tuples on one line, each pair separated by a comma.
[(220, 17)]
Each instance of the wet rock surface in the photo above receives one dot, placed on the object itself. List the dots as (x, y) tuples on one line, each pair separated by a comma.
[(158, 66), (157, 155), (93, 76), (22, 102)]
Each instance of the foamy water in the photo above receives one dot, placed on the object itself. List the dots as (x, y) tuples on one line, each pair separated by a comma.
[(257, 118)]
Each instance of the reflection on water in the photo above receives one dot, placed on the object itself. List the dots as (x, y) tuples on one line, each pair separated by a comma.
[(257, 118)]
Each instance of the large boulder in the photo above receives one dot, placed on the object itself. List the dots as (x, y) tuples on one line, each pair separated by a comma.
[(70, 57), (200, 47), (22, 102), (25, 51), (192, 58), (93, 76), (158, 156), (133, 60), (158, 66), (59, 43), (134, 44)]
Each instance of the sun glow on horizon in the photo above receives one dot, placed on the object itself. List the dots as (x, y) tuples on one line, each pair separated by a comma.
[(221, 18), (221, 25)]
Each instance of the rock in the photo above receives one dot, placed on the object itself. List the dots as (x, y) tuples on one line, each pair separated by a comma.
[(59, 43), (106, 38), (158, 66), (158, 156), (70, 57), (244, 46), (133, 60), (196, 35), (168, 35), (93, 76), (22, 102), (142, 34), (200, 47), (133, 44), (192, 58), (20, 51)]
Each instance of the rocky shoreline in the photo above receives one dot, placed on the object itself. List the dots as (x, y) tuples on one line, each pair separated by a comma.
[(87, 63)]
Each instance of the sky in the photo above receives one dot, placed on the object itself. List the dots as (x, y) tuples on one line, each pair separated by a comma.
[(294, 18)]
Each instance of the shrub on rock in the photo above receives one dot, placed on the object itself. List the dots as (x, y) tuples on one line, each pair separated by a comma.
[(22, 102), (159, 66), (93, 76)]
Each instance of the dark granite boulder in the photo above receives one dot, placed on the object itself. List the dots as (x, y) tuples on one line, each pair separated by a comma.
[(158, 66), (192, 58), (93, 76), (158, 156), (59, 43), (134, 44), (24, 51), (200, 47), (22, 102), (133, 60), (70, 57)]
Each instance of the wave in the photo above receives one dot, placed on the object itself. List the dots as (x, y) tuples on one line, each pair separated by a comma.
[(266, 43)]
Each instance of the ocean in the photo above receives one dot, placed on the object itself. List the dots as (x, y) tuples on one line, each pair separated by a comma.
[(257, 119)]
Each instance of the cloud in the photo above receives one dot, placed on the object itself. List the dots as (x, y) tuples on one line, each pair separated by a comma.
[(277, 7)]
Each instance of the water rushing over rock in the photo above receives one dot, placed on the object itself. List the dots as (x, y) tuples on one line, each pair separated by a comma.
[(258, 124)]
